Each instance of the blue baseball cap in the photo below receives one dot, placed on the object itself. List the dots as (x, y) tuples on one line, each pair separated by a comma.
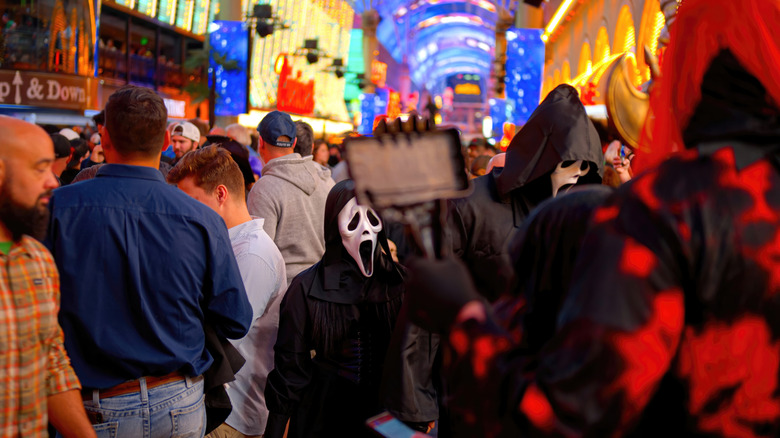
[(274, 125)]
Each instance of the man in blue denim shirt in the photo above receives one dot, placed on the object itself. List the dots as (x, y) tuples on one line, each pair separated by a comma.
[(143, 267)]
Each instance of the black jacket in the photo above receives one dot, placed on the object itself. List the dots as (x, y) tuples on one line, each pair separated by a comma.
[(482, 224), (334, 329)]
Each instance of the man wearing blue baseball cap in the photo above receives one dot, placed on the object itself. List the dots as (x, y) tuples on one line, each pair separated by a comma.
[(290, 196)]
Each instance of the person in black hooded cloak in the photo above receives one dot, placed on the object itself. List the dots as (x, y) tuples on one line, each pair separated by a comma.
[(542, 255), (335, 324), (556, 149), (671, 327)]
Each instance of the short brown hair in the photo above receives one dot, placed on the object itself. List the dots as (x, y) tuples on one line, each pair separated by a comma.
[(136, 120), (305, 135), (210, 167)]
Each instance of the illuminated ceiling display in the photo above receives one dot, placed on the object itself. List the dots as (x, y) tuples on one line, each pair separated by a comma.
[(327, 21), (190, 15), (438, 38)]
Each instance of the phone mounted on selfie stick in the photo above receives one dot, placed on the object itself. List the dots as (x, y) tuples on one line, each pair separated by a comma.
[(406, 171)]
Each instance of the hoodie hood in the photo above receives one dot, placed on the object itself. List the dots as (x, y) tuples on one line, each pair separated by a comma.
[(558, 130), (343, 281), (299, 171)]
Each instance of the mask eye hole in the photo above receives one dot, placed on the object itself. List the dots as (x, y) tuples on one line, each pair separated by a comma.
[(372, 219), (566, 164), (354, 222), (584, 166)]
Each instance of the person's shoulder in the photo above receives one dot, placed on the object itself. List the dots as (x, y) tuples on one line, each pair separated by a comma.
[(298, 293), (197, 211), (168, 200), (306, 278), (483, 190), (257, 243), (485, 184), (268, 189), (36, 249), (77, 192), (672, 182)]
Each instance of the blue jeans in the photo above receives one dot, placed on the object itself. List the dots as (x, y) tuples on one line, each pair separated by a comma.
[(173, 410)]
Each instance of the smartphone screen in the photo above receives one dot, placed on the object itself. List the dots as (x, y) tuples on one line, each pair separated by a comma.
[(388, 426)]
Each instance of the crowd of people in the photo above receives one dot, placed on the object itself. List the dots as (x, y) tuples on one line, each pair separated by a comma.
[(166, 280)]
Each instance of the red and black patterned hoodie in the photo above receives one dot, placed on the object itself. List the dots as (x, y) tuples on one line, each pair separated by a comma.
[(672, 324)]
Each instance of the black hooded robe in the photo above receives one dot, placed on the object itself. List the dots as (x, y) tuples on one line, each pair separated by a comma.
[(482, 224), (334, 329), (671, 327)]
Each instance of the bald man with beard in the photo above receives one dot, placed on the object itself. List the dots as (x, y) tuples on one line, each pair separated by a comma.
[(37, 383)]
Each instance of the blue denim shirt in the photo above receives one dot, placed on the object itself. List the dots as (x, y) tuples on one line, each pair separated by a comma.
[(143, 266)]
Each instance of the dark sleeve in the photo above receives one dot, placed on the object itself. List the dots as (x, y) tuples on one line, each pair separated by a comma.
[(292, 360), (617, 334), (479, 248), (226, 306), (456, 229), (408, 390)]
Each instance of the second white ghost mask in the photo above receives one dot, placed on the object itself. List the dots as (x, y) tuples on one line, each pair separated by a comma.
[(567, 174)]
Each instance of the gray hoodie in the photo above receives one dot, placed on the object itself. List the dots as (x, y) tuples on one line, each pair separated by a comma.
[(290, 197)]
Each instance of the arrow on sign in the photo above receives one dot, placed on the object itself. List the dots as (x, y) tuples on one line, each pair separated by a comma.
[(18, 82)]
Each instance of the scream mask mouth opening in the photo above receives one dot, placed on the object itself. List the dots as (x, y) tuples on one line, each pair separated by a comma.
[(367, 256), (359, 227)]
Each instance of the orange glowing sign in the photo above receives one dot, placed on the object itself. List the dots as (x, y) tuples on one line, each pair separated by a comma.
[(412, 101), (509, 134), (468, 88), (378, 73), (293, 93), (394, 105)]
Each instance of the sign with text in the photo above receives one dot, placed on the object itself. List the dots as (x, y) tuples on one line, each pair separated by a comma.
[(293, 93), (466, 88), (176, 108), (46, 90)]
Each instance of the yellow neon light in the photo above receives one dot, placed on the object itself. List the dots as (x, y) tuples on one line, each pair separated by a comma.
[(556, 19), (253, 118), (471, 89)]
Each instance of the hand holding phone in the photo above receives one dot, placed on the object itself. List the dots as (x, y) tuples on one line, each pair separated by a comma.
[(388, 426)]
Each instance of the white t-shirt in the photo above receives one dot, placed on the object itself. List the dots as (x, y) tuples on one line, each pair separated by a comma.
[(262, 270)]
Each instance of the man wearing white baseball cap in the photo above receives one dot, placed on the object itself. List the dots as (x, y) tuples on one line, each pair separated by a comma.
[(185, 137)]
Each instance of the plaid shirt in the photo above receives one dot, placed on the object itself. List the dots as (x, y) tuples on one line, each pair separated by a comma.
[(33, 362)]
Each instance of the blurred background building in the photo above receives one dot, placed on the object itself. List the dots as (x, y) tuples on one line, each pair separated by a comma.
[(473, 64)]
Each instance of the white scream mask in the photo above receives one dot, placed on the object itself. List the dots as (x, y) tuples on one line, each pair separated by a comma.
[(359, 227), (566, 175)]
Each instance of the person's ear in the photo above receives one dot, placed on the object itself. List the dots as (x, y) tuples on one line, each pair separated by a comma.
[(105, 139), (2, 174), (222, 194)]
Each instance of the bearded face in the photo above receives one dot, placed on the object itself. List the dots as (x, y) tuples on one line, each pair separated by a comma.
[(19, 217)]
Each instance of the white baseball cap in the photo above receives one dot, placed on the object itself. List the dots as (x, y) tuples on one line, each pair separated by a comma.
[(69, 133), (186, 130)]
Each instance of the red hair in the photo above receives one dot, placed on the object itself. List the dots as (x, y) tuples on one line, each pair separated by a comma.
[(748, 28)]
